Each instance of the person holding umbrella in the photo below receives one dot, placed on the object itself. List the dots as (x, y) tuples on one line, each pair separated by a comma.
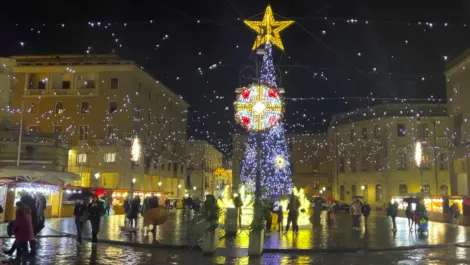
[(81, 216)]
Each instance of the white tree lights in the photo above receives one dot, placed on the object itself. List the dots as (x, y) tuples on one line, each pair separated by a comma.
[(258, 107)]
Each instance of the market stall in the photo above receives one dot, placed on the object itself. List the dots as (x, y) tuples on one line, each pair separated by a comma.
[(67, 205), (35, 189)]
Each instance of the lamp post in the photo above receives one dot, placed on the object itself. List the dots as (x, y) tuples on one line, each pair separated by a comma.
[(159, 185), (418, 160), (194, 192), (363, 187), (135, 157)]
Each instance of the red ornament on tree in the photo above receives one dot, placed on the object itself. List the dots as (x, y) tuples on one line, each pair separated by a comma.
[(246, 120), (245, 93), (273, 93), (272, 120)]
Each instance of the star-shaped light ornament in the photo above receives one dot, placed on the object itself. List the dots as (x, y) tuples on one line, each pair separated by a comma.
[(268, 29), (279, 162)]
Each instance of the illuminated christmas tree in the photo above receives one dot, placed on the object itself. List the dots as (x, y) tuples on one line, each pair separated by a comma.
[(275, 165)]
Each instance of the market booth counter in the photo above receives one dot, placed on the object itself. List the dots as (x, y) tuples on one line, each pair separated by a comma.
[(438, 207), (119, 196), (52, 193), (67, 205)]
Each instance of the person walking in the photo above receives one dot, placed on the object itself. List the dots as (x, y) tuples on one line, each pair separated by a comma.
[(455, 214), (366, 212), (293, 215), (23, 229), (356, 212), (280, 218), (394, 214), (95, 211), (134, 212), (80, 212), (409, 216), (334, 210)]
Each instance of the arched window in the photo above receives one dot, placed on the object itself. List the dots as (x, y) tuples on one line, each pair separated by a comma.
[(365, 192), (444, 190), (403, 189), (426, 189), (353, 190), (341, 193), (378, 193)]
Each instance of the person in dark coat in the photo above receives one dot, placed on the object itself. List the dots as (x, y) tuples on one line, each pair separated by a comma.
[(134, 211), (154, 202), (23, 229), (80, 212), (366, 212), (293, 215), (280, 218), (95, 211)]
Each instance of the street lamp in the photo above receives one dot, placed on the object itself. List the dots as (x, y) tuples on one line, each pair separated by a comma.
[(97, 175), (418, 160), (363, 187), (135, 157)]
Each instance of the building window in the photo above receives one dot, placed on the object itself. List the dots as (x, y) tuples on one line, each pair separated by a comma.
[(425, 163), (112, 131), (81, 158), (316, 184), (169, 166), (148, 115), (353, 164), (42, 84), (341, 164), (57, 129), (378, 164), (351, 135), (110, 157), (353, 191), (66, 84), (137, 113), (378, 193), (402, 161), (114, 83), (444, 190), (423, 131), (84, 107), (443, 161), (401, 130), (83, 133), (33, 129), (112, 107), (163, 166), (426, 189), (377, 131), (364, 133), (365, 192), (59, 107), (403, 190), (33, 108), (139, 91), (90, 84), (182, 168), (342, 196), (365, 163)]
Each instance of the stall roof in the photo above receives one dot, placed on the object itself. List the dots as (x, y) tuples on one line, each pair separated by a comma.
[(34, 173)]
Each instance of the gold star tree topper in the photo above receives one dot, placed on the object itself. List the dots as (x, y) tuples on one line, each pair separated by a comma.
[(268, 29)]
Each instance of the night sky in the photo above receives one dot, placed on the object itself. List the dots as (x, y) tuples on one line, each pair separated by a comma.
[(358, 50)]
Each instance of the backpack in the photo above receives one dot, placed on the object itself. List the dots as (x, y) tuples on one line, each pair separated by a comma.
[(10, 227)]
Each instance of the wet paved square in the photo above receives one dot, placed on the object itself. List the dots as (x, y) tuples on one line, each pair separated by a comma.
[(180, 232)]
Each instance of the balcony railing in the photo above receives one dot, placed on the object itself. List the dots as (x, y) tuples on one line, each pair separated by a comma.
[(87, 91), (36, 91), (61, 91)]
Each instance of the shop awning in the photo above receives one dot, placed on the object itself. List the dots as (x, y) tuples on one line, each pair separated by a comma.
[(33, 173)]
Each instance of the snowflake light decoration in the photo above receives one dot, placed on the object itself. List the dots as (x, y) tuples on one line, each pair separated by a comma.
[(279, 162), (258, 107)]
